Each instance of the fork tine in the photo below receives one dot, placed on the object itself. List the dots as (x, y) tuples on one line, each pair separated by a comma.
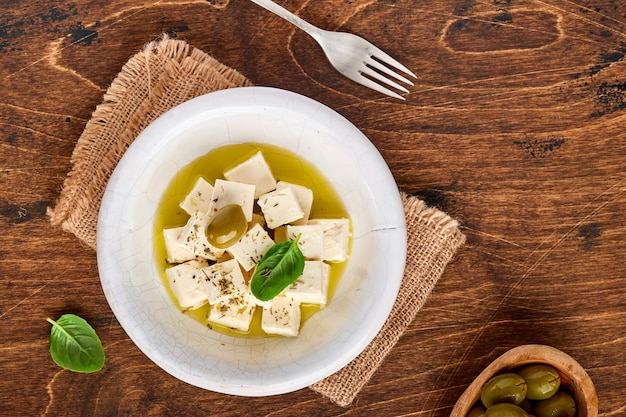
[(382, 68), (382, 56), (377, 87), (373, 74)]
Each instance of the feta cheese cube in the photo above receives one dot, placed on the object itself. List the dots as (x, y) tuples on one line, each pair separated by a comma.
[(336, 237), (282, 317), (193, 237), (176, 253), (304, 196), (198, 198), (249, 250), (230, 192), (234, 312), (253, 171), (280, 207), (223, 280), (311, 242), (312, 286), (186, 282)]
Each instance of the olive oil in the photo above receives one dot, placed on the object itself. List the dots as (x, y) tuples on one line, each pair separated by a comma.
[(286, 166)]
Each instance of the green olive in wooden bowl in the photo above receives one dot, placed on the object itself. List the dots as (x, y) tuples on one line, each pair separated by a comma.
[(574, 382)]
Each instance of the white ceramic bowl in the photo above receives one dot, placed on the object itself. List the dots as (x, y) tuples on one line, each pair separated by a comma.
[(251, 366)]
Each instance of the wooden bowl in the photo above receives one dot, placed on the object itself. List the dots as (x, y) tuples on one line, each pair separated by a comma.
[(573, 377)]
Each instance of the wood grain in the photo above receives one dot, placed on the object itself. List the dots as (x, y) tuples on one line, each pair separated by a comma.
[(515, 128)]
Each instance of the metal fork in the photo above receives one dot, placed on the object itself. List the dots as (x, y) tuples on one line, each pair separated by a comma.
[(351, 55)]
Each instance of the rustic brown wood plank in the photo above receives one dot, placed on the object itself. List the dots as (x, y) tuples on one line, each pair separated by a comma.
[(515, 127)]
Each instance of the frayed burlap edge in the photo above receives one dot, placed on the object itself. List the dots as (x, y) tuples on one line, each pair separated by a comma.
[(163, 74), (433, 239), (168, 72)]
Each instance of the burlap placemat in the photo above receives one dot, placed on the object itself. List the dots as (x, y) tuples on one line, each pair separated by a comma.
[(168, 72)]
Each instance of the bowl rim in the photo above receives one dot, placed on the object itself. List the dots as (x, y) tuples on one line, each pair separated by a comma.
[(219, 104), (527, 354)]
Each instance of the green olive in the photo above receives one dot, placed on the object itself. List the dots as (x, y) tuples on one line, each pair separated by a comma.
[(560, 404), (477, 411), (504, 388), (506, 410), (543, 381), (226, 226)]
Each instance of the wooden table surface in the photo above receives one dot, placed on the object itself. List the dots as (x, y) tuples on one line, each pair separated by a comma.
[(515, 128)]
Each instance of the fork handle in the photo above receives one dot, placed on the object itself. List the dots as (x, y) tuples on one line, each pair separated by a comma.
[(312, 30)]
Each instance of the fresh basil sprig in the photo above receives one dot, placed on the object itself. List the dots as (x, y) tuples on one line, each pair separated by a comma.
[(281, 265), (74, 344)]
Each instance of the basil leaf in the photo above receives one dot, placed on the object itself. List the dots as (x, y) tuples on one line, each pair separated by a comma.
[(74, 344), (281, 265)]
